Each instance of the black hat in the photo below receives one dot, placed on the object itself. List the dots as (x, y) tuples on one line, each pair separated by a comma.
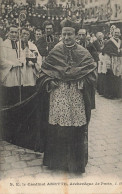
[(67, 22)]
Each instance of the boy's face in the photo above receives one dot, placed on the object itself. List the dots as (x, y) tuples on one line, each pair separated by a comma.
[(25, 35), (38, 34)]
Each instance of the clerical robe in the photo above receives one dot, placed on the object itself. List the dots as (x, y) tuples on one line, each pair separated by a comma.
[(72, 69), (113, 60)]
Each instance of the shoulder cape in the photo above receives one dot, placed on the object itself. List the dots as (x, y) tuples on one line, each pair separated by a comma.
[(57, 65), (110, 48)]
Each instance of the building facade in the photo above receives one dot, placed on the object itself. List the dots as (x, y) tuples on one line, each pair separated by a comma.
[(94, 14), (101, 14)]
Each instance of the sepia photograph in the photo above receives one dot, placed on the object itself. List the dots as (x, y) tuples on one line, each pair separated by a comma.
[(60, 96)]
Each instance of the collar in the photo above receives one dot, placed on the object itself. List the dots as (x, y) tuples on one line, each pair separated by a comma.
[(70, 47), (49, 38), (14, 44)]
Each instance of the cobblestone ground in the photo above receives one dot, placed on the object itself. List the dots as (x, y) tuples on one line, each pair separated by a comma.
[(105, 147)]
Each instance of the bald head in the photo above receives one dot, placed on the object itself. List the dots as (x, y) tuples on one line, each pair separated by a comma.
[(82, 31), (100, 35)]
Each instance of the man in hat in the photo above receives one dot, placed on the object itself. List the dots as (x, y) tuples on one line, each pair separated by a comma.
[(48, 40), (68, 75)]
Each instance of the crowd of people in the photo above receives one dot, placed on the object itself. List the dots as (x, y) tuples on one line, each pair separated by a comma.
[(62, 72), (107, 53)]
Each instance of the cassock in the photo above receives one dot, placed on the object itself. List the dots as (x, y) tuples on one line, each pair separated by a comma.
[(67, 107), (113, 60), (9, 73), (19, 119)]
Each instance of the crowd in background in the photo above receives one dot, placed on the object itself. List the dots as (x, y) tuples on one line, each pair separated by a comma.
[(109, 80), (107, 52)]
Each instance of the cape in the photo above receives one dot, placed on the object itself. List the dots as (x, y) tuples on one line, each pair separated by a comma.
[(111, 49), (21, 123), (66, 64), (69, 64)]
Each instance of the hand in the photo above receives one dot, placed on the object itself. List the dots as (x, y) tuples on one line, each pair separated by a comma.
[(30, 63), (43, 58), (20, 64), (120, 51), (53, 84), (108, 66)]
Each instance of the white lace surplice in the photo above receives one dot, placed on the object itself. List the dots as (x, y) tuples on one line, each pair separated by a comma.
[(67, 105)]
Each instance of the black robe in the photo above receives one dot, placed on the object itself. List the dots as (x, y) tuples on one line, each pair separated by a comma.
[(66, 147), (112, 84), (45, 46)]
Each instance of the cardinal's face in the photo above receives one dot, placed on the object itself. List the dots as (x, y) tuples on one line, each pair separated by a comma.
[(68, 36)]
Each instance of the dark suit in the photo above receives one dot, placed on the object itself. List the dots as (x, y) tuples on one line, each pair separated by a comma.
[(45, 44)]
